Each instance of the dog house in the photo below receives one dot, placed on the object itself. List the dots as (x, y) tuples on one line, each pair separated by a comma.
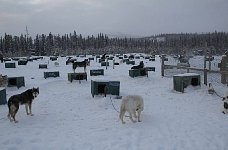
[(147, 57), (181, 81), (10, 65), (53, 58), (103, 63), (149, 69), (2, 96), (110, 58), (22, 62), (51, 74), (130, 62), (96, 72), (91, 58), (42, 66), (152, 59), (137, 57), (77, 76), (105, 87), (138, 72), (16, 81), (125, 60), (6, 59)]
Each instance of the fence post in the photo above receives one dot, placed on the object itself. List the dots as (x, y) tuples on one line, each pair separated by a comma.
[(162, 65), (205, 76), (113, 63), (223, 68), (106, 63)]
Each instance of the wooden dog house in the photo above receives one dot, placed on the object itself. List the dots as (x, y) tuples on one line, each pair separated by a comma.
[(10, 65), (181, 81), (16, 81), (105, 87), (77, 76), (96, 72), (51, 74)]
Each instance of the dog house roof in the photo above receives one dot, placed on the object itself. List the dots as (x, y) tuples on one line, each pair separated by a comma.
[(187, 74)]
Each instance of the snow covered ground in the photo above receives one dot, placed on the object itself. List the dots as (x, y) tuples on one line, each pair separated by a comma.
[(67, 117)]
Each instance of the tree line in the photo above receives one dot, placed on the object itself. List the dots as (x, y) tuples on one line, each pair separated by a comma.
[(73, 43)]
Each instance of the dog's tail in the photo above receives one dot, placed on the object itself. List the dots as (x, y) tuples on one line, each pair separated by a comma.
[(9, 104)]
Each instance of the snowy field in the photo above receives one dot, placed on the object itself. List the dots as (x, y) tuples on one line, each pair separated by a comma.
[(67, 117)]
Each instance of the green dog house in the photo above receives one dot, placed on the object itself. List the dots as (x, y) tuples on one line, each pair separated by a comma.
[(51, 74), (77, 76), (105, 87), (10, 65), (96, 72), (181, 81), (16, 81)]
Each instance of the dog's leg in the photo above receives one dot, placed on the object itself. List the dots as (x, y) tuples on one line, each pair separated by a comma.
[(130, 114), (9, 117), (9, 114), (14, 112), (30, 109), (135, 116), (139, 113), (26, 108), (122, 112)]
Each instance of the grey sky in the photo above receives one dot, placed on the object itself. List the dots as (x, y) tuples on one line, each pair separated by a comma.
[(132, 17)]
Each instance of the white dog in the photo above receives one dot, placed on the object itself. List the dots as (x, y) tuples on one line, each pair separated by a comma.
[(225, 103), (131, 104)]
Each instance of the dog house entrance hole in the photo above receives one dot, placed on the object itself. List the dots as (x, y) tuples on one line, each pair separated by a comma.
[(102, 88), (79, 77), (12, 81), (143, 72), (194, 81)]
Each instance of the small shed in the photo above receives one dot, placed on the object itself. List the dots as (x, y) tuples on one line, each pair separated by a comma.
[(16, 81), (105, 87), (96, 72), (77, 76), (51, 74), (10, 65), (138, 72), (181, 81)]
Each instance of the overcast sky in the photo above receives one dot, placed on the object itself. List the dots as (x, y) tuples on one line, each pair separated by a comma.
[(131, 17)]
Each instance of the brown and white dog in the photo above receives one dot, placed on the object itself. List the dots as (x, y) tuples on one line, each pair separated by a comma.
[(26, 98), (131, 104)]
